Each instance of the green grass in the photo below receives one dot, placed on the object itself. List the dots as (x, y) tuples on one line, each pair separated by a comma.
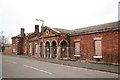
[(112, 64)]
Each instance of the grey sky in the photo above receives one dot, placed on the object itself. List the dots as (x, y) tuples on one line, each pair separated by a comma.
[(67, 14)]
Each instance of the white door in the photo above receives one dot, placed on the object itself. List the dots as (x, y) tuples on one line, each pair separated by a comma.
[(77, 47), (98, 48)]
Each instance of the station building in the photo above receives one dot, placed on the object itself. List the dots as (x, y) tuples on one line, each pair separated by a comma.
[(99, 42)]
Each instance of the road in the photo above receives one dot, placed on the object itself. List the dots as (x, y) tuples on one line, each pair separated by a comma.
[(17, 67)]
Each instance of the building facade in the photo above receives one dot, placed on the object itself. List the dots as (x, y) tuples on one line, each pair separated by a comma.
[(100, 42), (8, 49)]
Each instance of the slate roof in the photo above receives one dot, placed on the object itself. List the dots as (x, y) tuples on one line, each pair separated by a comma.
[(58, 30), (26, 34), (85, 30), (97, 28), (63, 30), (16, 36), (90, 29)]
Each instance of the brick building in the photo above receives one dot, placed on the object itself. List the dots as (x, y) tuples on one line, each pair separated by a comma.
[(22, 43), (100, 42), (8, 48)]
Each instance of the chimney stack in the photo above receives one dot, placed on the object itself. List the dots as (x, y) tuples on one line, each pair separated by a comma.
[(36, 28), (22, 32)]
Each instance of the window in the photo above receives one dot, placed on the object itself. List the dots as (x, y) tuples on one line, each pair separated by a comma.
[(98, 46), (77, 48), (47, 32)]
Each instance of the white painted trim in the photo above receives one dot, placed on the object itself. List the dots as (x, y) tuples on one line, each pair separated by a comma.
[(35, 43), (97, 57), (47, 31), (97, 38), (76, 55), (77, 40)]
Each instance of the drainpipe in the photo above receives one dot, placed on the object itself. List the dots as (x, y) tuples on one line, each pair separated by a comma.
[(68, 46)]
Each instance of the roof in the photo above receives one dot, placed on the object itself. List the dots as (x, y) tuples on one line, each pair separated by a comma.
[(90, 29), (58, 30), (26, 35), (16, 36), (97, 28), (62, 30), (85, 30), (34, 39)]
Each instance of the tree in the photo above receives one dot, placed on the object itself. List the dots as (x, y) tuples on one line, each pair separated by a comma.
[(3, 40)]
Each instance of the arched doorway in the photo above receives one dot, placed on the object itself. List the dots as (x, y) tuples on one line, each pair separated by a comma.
[(47, 49), (63, 45), (54, 49), (41, 49)]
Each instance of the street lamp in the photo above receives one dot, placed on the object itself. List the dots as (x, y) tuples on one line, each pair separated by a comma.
[(41, 32), (42, 21)]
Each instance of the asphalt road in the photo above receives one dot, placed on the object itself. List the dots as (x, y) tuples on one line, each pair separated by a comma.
[(16, 67)]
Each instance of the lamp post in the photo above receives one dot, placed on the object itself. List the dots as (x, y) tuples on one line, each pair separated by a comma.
[(42, 37), (42, 21)]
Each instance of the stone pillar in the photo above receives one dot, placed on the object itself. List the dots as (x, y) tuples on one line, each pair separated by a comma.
[(51, 52), (48, 52), (44, 52), (67, 49), (39, 51), (58, 52)]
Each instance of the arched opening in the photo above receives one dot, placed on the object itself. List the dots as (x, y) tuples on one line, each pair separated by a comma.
[(47, 49), (41, 49), (63, 49), (54, 49)]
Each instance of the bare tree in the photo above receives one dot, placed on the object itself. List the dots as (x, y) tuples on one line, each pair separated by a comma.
[(3, 40)]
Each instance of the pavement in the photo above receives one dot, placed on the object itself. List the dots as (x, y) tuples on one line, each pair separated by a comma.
[(88, 65)]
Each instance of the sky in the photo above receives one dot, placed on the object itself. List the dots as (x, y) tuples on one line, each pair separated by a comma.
[(66, 14)]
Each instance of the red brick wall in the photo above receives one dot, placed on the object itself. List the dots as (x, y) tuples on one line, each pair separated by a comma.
[(13, 45), (109, 45), (20, 46), (8, 49)]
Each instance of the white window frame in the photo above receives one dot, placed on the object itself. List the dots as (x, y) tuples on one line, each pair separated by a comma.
[(78, 42), (98, 43)]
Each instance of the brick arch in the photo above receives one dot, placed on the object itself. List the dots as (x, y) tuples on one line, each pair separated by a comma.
[(47, 49), (46, 42), (52, 41), (63, 49), (62, 41), (42, 42), (42, 48), (54, 48)]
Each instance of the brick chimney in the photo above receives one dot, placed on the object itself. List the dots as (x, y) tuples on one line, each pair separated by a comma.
[(36, 28), (22, 32)]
